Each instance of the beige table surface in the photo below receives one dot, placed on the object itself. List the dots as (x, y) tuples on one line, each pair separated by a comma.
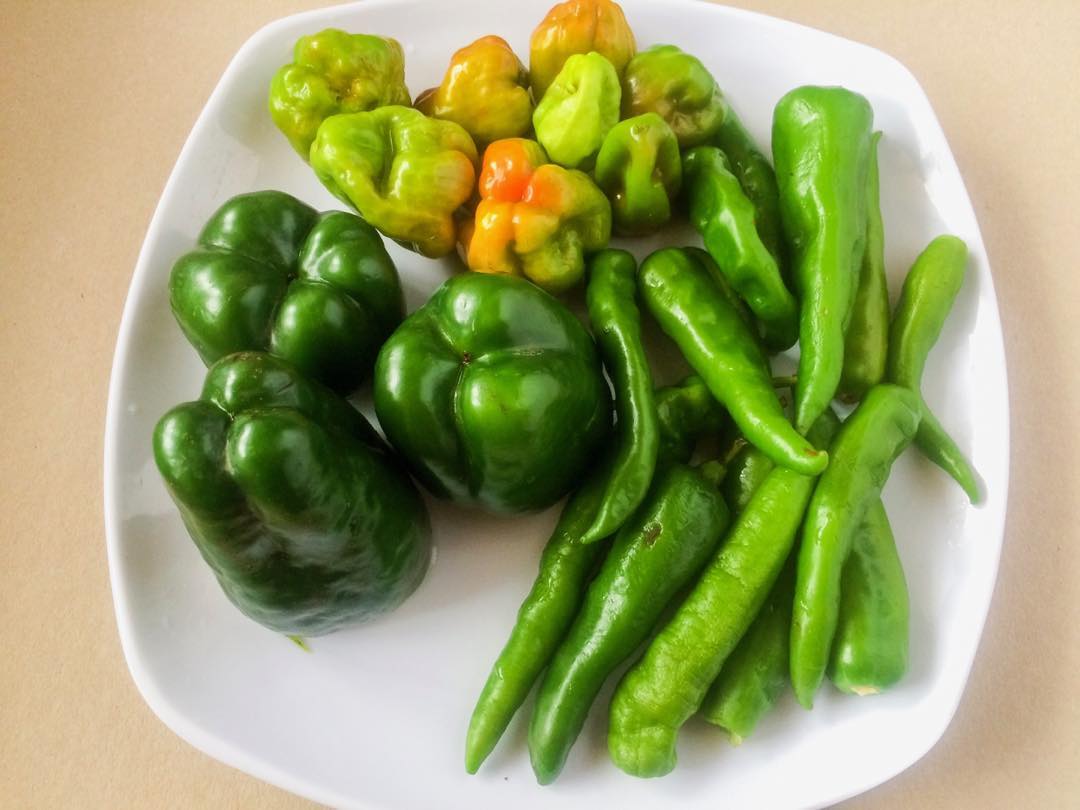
[(96, 99)]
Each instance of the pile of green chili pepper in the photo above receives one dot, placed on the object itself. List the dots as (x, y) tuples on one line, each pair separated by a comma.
[(724, 536)]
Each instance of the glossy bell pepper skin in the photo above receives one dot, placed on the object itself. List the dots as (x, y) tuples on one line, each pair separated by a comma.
[(485, 90), (639, 168), (535, 219), (676, 86), (493, 393), (335, 72), (726, 219), (578, 26), (305, 518), (758, 180), (578, 110), (659, 551), (270, 273), (691, 310), (405, 173), (821, 149), (863, 453)]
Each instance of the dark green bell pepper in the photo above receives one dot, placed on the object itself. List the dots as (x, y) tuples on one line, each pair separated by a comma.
[(299, 508), (493, 392), (273, 274)]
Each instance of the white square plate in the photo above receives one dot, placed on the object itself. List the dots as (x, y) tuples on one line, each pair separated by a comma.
[(375, 716)]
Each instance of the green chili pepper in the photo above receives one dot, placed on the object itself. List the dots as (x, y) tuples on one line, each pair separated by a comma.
[(617, 327), (821, 147), (929, 291), (654, 555), (866, 344), (870, 651), (870, 440), (639, 168), (685, 413), (745, 472), (666, 686), (756, 672), (725, 218), (758, 181), (542, 621), (578, 110), (724, 286), (690, 309)]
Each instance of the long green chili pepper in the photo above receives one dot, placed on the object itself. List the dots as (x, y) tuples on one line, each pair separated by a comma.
[(756, 672), (929, 291), (863, 453), (758, 181), (542, 622), (821, 148), (725, 217), (666, 686), (654, 555), (870, 651), (689, 308), (610, 297), (686, 412), (866, 344)]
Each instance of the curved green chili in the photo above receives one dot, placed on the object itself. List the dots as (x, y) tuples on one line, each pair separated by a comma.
[(689, 308), (664, 545), (542, 621), (866, 344), (870, 651), (821, 148), (725, 217), (617, 325), (863, 453), (758, 181), (666, 686), (929, 291)]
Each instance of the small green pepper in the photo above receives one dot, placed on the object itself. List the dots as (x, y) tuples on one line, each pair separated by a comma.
[(271, 273), (821, 147), (691, 310), (485, 89), (616, 324), (295, 503), (675, 85), (863, 453), (758, 181), (686, 412), (870, 650), (754, 675), (866, 344), (639, 168), (542, 622), (666, 686), (578, 110), (653, 556), (404, 172), (333, 72), (725, 218), (929, 291)]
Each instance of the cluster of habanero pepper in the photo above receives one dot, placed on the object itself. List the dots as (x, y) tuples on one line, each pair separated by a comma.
[(683, 526)]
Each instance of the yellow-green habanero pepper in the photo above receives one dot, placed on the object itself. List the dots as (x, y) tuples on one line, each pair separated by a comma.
[(335, 72), (485, 89), (404, 172), (578, 26), (578, 110), (675, 85)]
